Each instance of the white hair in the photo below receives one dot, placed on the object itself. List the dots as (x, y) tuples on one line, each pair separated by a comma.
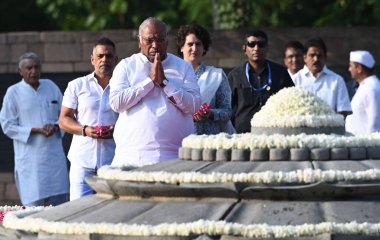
[(28, 55), (152, 19)]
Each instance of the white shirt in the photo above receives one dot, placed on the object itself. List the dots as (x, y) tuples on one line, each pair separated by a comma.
[(40, 162), (291, 74), (150, 127), (92, 104), (328, 85), (365, 117)]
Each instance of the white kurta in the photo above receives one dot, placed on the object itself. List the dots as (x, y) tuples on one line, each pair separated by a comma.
[(365, 117), (150, 127), (40, 162), (92, 104), (329, 86)]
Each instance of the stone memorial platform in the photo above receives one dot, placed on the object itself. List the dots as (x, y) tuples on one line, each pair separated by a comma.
[(241, 186), (126, 209)]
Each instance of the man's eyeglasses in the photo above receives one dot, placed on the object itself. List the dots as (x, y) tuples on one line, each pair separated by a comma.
[(260, 44), (150, 40)]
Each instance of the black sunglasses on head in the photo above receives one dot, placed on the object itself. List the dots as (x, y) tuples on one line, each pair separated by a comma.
[(260, 44)]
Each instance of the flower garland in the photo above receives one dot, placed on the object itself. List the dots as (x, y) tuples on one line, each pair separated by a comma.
[(16, 220), (6, 209), (296, 107), (266, 177), (251, 141)]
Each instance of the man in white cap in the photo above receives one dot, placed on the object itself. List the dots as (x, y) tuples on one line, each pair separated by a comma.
[(366, 102)]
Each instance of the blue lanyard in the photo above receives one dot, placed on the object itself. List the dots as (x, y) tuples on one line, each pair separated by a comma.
[(266, 86)]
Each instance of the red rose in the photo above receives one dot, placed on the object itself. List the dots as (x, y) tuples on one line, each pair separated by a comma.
[(203, 110), (101, 130)]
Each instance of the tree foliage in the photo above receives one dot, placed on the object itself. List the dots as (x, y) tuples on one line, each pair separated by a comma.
[(297, 13), (116, 14), (85, 14), (219, 14)]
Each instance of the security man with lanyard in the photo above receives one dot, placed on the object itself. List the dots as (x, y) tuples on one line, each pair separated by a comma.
[(254, 82)]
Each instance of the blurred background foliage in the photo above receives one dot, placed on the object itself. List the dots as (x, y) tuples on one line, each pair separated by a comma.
[(89, 15)]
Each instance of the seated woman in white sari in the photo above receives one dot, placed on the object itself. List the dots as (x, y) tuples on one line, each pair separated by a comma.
[(193, 41)]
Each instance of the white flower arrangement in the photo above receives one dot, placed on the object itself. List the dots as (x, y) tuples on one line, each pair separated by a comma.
[(21, 221), (298, 121), (251, 141), (295, 107), (266, 177)]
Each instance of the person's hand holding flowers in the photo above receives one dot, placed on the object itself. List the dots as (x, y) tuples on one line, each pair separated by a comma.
[(202, 113)]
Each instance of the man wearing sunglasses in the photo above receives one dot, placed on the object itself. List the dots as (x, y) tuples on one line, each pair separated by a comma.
[(254, 82)]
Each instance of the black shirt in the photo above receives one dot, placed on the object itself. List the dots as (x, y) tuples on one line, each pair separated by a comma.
[(246, 101)]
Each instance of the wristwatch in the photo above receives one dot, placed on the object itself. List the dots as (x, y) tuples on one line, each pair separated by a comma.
[(84, 130), (164, 83)]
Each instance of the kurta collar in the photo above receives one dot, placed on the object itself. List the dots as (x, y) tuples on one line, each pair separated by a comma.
[(200, 70), (92, 77), (145, 59), (367, 79), (308, 73), (27, 85)]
